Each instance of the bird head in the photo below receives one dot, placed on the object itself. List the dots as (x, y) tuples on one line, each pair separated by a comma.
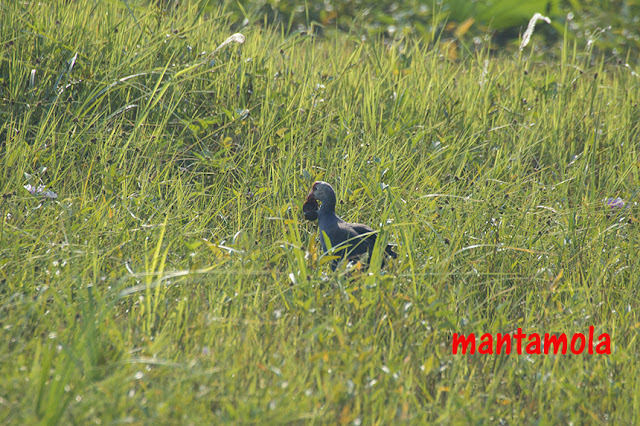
[(321, 191)]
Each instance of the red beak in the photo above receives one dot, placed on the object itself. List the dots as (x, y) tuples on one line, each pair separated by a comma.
[(310, 198), (310, 207)]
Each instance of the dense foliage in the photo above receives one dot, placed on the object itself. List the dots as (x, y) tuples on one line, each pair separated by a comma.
[(609, 25)]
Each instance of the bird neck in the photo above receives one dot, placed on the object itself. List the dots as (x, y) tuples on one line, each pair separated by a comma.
[(329, 205)]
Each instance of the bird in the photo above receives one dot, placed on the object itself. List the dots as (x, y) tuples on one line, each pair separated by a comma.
[(356, 237)]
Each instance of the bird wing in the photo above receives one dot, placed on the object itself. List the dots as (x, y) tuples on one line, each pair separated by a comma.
[(362, 229), (360, 237), (371, 237)]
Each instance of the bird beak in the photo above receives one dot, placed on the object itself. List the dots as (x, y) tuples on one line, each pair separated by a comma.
[(310, 207), (310, 198)]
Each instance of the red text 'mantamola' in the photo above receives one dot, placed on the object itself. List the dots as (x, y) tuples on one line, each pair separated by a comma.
[(535, 345)]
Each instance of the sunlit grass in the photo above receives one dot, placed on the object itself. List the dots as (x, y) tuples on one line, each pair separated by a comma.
[(174, 278)]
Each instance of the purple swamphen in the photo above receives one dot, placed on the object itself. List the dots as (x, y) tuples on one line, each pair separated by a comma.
[(355, 237)]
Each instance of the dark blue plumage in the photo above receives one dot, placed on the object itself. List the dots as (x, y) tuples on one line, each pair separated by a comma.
[(357, 238)]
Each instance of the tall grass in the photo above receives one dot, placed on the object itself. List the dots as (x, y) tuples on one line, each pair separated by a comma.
[(174, 278)]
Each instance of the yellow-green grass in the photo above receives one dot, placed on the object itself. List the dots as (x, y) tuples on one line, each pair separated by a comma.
[(174, 278)]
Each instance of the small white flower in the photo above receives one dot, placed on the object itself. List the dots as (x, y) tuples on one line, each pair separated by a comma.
[(236, 38), (532, 24)]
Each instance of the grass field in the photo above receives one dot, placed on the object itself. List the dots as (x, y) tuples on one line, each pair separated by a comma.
[(174, 279)]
